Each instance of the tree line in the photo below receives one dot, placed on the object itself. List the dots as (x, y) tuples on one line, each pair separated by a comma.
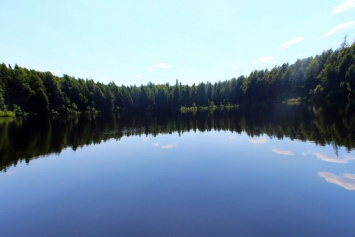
[(328, 76)]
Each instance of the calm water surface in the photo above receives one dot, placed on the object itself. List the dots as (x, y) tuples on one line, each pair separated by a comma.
[(215, 183)]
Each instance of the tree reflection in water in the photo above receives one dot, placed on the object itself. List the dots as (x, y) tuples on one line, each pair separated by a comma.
[(32, 137)]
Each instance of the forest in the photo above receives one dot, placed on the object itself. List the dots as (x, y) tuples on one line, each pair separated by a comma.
[(329, 76)]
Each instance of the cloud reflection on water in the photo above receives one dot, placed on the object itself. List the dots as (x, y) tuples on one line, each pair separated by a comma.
[(231, 138), (259, 140), (346, 181), (169, 146), (11, 172), (283, 152), (333, 159)]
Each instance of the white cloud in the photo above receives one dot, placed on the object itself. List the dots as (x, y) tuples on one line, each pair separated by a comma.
[(349, 176), (169, 146), (145, 139), (283, 152), (149, 69), (163, 65), (11, 172), (264, 59), (291, 42), (156, 144), (333, 159), (231, 138), (344, 6), (346, 181), (339, 28), (138, 76), (259, 140)]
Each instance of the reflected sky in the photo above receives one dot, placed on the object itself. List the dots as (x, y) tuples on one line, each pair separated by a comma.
[(214, 183)]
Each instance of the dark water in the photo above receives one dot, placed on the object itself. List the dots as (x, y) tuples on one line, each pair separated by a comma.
[(284, 171)]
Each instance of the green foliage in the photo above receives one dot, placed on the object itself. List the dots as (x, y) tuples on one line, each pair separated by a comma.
[(184, 109), (212, 107), (294, 101), (2, 100), (7, 113), (328, 76), (41, 101)]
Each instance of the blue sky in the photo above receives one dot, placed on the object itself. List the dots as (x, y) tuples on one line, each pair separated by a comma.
[(136, 42)]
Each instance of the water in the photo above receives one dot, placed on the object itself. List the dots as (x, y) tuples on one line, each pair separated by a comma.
[(187, 175)]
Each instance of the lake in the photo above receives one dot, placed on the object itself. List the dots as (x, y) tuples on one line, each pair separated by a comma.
[(281, 171)]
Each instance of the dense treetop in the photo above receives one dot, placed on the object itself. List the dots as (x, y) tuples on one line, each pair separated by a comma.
[(328, 76)]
